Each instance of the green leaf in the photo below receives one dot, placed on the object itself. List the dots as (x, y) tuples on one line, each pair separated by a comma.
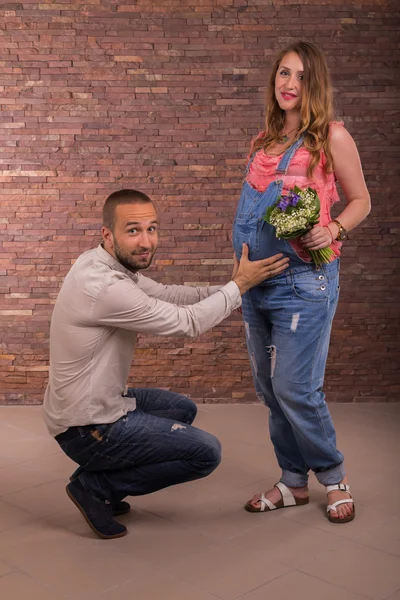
[(295, 234), (268, 213)]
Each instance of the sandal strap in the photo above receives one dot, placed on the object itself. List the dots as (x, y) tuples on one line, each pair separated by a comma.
[(335, 504), (265, 502), (287, 496), (342, 487)]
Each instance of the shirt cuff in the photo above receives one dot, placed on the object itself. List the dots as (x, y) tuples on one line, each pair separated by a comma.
[(233, 292)]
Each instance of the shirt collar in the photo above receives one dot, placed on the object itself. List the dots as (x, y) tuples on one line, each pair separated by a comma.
[(114, 263)]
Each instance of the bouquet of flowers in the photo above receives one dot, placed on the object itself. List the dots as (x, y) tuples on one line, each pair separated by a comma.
[(294, 214)]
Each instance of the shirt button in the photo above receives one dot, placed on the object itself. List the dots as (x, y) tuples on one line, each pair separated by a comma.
[(321, 277), (323, 287)]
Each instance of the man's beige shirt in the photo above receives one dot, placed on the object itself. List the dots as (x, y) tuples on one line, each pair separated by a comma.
[(99, 311)]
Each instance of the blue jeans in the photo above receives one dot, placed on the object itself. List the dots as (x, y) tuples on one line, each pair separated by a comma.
[(288, 323), (150, 448)]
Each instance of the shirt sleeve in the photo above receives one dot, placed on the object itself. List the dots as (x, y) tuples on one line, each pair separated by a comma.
[(122, 303), (177, 294)]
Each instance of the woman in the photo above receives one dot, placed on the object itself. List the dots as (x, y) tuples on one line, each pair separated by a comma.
[(288, 318)]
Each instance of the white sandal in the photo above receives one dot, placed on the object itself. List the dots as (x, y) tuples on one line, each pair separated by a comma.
[(287, 499), (342, 487)]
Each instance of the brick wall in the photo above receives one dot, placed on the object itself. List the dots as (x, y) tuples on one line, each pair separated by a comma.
[(165, 96)]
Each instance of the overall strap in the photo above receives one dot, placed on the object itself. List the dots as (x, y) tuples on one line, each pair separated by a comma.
[(249, 165), (288, 155)]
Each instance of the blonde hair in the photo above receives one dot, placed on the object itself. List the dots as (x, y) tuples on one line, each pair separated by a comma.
[(316, 110)]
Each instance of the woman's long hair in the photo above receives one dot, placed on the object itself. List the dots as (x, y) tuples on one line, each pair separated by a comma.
[(316, 106)]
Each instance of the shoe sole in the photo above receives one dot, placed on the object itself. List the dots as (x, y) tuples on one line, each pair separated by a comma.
[(101, 535), (116, 513)]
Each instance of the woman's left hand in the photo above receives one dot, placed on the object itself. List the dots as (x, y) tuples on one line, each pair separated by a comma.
[(318, 237)]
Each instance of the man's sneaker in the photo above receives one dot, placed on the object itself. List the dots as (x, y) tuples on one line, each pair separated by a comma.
[(118, 508), (97, 513)]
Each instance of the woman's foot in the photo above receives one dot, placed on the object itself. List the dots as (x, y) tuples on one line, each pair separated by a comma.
[(343, 511), (274, 495)]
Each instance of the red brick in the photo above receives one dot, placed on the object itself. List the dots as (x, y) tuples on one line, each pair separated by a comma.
[(89, 108)]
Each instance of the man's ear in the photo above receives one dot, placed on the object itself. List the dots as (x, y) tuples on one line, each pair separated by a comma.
[(108, 237)]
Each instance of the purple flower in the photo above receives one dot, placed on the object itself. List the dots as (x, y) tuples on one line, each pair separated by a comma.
[(294, 199), (283, 204)]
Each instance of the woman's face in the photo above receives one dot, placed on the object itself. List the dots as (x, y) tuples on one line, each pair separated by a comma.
[(288, 82)]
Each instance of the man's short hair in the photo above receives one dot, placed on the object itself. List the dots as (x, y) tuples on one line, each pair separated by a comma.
[(121, 197)]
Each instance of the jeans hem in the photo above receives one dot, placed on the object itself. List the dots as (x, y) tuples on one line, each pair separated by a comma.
[(291, 479), (332, 476)]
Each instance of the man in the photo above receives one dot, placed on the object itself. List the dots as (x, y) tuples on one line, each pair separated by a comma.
[(129, 441)]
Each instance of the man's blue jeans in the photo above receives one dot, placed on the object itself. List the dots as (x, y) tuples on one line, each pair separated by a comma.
[(150, 448), (288, 322)]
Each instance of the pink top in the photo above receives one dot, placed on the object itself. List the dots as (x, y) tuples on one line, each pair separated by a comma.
[(263, 172)]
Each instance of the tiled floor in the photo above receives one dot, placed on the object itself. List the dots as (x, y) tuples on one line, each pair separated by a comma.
[(195, 541)]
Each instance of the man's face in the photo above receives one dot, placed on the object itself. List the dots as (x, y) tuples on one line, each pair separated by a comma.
[(135, 237)]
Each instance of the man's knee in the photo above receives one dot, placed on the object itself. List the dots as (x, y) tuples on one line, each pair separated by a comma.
[(215, 450), (189, 409), (210, 456)]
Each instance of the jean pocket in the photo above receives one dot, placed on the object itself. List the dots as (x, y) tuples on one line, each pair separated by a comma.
[(310, 287), (246, 230)]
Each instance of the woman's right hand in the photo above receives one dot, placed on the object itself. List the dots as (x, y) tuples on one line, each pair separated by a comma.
[(250, 273)]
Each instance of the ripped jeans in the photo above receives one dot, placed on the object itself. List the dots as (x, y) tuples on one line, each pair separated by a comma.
[(288, 322), (150, 448)]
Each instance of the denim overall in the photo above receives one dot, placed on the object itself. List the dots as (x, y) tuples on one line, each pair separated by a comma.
[(249, 226), (287, 323)]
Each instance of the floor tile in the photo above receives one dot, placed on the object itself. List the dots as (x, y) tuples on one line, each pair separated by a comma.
[(158, 541), (195, 541), (359, 569), (6, 462), (301, 587), (227, 571), (172, 501), (17, 586), (381, 492), (21, 541), (213, 516), (42, 500), (153, 586), (286, 541), (34, 425), (27, 446), (18, 477), (84, 573), (10, 516), (386, 537), (75, 566), (4, 568), (56, 466)]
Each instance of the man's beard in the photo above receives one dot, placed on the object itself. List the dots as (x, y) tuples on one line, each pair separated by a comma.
[(130, 261)]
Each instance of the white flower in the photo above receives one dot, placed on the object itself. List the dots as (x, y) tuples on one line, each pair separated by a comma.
[(299, 218)]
